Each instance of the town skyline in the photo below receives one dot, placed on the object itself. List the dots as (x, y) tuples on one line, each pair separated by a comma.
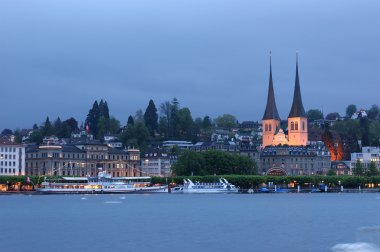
[(214, 58)]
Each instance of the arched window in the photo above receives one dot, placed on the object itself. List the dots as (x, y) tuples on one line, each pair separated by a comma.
[(303, 125), (266, 127), (292, 126), (270, 127), (296, 126)]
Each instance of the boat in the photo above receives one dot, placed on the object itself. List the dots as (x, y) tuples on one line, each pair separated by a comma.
[(222, 187), (177, 189), (104, 183)]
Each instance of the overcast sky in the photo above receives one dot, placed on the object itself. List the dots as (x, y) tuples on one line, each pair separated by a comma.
[(57, 57)]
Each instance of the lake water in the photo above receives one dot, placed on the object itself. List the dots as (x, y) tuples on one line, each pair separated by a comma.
[(174, 222)]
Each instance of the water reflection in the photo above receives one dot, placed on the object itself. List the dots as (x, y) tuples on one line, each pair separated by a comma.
[(368, 240)]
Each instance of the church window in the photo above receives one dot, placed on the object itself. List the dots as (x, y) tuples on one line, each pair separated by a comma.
[(292, 126), (270, 127), (266, 127), (303, 125), (296, 126)]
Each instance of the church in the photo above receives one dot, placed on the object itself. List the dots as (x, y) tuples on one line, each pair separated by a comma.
[(297, 119), (287, 151)]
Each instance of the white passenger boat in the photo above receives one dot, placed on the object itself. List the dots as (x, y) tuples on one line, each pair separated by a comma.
[(222, 187), (104, 183)]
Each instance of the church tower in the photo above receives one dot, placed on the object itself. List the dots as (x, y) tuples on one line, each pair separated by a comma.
[(297, 119), (271, 119)]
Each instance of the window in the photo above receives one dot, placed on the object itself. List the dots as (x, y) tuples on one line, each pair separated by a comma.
[(266, 127), (296, 126), (292, 126), (303, 125), (270, 127)]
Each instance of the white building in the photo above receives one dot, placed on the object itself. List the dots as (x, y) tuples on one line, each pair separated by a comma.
[(12, 158), (156, 162), (367, 155), (181, 144)]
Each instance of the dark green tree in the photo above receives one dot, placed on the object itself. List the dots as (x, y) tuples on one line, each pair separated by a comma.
[(372, 170), (185, 124), (72, 123), (7, 132), (350, 110), (151, 118), (36, 137), (314, 114), (364, 126), (331, 172), (332, 116), (47, 128), (358, 170), (206, 124), (131, 121), (226, 121), (373, 112), (92, 119)]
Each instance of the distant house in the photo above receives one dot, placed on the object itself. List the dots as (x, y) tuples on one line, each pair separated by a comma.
[(180, 144), (369, 154), (359, 114)]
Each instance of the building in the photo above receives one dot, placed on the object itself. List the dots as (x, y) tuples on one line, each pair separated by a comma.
[(183, 145), (12, 158), (369, 154), (287, 151), (297, 134), (294, 160), (85, 158), (157, 162)]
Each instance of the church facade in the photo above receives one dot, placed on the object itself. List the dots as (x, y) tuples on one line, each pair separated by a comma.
[(286, 151), (273, 135)]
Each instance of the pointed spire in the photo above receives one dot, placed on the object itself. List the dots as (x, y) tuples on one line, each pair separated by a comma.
[(297, 109), (271, 109)]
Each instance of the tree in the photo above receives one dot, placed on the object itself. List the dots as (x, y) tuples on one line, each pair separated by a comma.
[(139, 116), (372, 169), (131, 121), (314, 114), (92, 119), (358, 170), (36, 137), (57, 126), (332, 116), (206, 124), (47, 129), (114, 125), (151, 118), (364, 127), (7, 132), (373, 112), (72, 123), (185, 124), (141, 135), (350, 110), (169, 118), (213, 162), (189, 163), (225, 121), (331, 172)]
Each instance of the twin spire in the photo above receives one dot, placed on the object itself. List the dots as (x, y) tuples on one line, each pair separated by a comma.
[(297, 109)]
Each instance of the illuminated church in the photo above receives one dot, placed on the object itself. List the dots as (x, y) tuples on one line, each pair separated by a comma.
[(287, 152), (273, 135)]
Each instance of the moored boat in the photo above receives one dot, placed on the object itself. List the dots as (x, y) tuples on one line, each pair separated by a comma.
[(104, 183), (222, 187)]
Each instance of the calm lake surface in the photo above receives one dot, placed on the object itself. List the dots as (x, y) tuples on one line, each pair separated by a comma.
[(174, 222)]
